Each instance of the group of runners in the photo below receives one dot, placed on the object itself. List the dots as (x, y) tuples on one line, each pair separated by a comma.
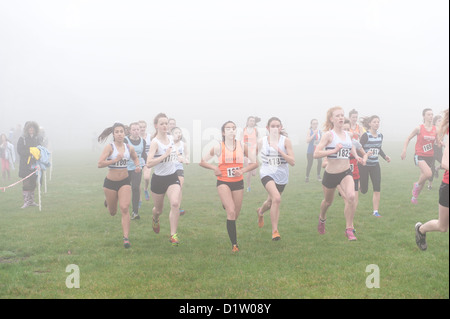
[(350, 156)]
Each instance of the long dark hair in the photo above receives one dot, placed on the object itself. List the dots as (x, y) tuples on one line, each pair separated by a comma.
[(108, 131), (155, 122), (424, 112), (223, 129), (274, 118), (365, 121)]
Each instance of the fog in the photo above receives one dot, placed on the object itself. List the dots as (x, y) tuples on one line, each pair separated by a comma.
[(78, 66)]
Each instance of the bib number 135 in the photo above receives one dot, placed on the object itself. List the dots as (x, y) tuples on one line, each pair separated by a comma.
[(231, 172)]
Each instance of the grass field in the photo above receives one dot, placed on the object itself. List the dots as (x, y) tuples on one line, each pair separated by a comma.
[(34, 246)]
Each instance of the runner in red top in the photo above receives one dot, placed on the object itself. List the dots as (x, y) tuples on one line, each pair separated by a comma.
[(424, 157), (441, 224)]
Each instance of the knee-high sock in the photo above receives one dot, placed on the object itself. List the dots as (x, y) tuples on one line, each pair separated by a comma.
[(231, 227)]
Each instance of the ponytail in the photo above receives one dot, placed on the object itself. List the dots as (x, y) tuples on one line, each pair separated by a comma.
[(108, 131), (365, 121)]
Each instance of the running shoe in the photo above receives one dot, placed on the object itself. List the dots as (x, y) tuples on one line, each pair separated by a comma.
[(276, 236), (414, 200), (174, 239), (420, 238), (147, 195), (126, 243), (182, 212), (350, 234), (135, 216), (319, 179), (235, 249), (376, 214), (415, 191), (260, 218), (155, 226), (321, 226)]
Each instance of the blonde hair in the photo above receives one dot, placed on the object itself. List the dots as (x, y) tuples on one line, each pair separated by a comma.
[(328, 126)]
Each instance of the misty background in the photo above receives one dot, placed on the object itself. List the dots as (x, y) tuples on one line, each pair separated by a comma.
[(78, 66)]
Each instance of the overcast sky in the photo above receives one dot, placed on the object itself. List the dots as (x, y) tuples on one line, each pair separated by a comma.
[(77, 66)]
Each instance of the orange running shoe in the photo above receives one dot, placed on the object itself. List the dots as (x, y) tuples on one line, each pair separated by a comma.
[(276, 236), (235, 249), (260, 218)]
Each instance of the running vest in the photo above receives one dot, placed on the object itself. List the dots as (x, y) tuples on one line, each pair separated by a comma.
[(425, 141), (167, 166), (139, 151), (357, 132), (123, 163), (273, 164), (180, 150), (250, 138), (344, 152), (372, 144), (230, 161), (353, 162)]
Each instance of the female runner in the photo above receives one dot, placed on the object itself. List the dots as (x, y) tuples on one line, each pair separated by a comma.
[(276, 155), (139, 145), (230, 175), (337, 146), (372, 141), (163, 156), (117, 185), (440, 224), (251, 140), (183, 151), (424, 151)]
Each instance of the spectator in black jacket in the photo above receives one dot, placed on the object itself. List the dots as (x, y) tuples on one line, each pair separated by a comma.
[(29, 138)]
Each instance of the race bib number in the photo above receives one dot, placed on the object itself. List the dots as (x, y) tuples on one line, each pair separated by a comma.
[(344, 153), (375, 151), (427, 147), (274, 161), (232, 171), (173, 157), (121, 163)]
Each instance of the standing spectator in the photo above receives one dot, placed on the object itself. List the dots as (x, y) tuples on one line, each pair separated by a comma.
[(313, 138), (7, 155), (30, 138)]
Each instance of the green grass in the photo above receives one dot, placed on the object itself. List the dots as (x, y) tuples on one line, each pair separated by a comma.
[(34, 245)]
